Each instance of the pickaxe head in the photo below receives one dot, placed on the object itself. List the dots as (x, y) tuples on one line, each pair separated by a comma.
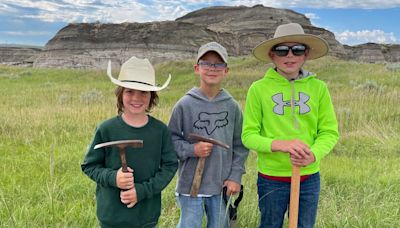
[(200, 164), (196, 137), (121, 145)]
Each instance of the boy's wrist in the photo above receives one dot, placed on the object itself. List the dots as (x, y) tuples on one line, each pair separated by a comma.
[(276, 145)]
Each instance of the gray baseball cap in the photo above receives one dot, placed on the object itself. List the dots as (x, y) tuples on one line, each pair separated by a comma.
[(213, 46)]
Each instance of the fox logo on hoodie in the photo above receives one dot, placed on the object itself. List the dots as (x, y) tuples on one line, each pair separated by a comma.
[(211, 121)]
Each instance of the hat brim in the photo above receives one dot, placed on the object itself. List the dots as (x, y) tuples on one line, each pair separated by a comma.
[(136, 85), (318, 47)]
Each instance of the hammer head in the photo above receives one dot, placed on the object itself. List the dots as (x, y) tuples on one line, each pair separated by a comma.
[(197, 137), (121, 144)]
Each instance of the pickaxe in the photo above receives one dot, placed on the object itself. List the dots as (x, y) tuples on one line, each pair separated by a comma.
[(121, 145), (200, 164), (294, 197)]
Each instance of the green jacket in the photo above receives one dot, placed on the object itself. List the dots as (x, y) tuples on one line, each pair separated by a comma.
[(278, 109), (154, 166)]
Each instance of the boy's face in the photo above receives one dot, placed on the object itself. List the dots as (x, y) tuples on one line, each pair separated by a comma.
[(135, 101), (211, 69), (288, 65)]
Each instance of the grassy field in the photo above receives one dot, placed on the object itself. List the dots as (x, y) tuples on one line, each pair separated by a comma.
[(47, 119)]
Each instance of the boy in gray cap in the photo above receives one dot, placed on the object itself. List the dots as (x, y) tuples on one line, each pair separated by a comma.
[(212, 112)]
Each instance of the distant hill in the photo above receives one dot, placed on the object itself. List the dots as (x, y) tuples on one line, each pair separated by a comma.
[(21, 46), (17, 54), (238, 28)]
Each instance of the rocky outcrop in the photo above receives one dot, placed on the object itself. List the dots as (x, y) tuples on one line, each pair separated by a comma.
[(373, 53), (239, 29), (18, 55)]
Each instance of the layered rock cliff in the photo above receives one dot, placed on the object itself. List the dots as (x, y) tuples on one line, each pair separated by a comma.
[(372, 53), (239, 29), (17, 55)]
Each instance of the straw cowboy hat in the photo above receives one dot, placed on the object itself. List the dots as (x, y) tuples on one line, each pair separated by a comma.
[(137, 74), (292, 33)]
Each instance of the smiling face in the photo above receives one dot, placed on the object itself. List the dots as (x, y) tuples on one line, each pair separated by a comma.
[(119, 93), (288, 65), (135, 102), (210, 70)]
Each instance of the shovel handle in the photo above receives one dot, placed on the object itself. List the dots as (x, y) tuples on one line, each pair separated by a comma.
[(198, 174), (294, 197)]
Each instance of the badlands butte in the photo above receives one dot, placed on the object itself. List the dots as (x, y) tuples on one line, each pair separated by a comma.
[(239, 29)]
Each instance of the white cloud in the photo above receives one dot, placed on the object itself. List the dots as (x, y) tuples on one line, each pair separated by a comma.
[(4, 8), (78, 10), (79, 2), (364, 36), (169, 12), (41, 5), (85, 11), (26, 33), (311, 16), (140, 11), (364, 4), (117, 11)]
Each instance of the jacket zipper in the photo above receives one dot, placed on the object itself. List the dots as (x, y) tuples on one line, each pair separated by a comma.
[(292, 105)]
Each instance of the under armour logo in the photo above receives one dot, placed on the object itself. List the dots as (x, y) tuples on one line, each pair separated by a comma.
[(211, 121), (280, 103)]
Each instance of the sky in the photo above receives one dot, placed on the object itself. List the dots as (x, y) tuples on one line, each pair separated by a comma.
[(34, 22)]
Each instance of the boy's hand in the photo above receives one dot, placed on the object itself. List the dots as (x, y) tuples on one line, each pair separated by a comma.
[(203, 149), (231, 187), (296, 148), (125, 180), (129, 197), (310, 158)]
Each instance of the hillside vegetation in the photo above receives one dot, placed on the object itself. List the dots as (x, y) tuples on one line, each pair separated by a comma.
[(48, 116)]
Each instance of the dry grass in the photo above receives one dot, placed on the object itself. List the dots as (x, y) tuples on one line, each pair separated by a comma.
[(48, 116)]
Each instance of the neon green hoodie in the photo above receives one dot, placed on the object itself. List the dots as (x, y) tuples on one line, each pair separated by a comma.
[(278, 109)]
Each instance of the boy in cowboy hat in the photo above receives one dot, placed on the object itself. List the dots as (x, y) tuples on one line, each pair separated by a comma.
[(212, 112), (133, 198), (289, 121)]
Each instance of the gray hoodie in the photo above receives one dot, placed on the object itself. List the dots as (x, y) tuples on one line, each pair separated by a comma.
[(220, 119)]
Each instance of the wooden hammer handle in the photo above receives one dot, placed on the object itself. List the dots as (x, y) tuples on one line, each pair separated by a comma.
[(198, 174), (122, 156), (294, 197)]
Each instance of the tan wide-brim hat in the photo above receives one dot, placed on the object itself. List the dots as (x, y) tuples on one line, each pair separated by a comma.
[(292, 33), (137, 74)]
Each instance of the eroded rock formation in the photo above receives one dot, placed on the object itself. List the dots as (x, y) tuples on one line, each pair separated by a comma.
[(239, 29)]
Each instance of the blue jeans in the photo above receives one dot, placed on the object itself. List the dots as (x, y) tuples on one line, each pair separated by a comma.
[(193, 208), (273, 201)]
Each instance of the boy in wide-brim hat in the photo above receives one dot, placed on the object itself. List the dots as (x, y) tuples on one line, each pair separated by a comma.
[(133, 198), (289, 120)]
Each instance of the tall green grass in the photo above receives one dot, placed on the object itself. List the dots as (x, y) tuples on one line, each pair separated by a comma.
[(47, 119)]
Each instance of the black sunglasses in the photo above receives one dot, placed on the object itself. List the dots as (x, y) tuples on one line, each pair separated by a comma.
[(283, 50)]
